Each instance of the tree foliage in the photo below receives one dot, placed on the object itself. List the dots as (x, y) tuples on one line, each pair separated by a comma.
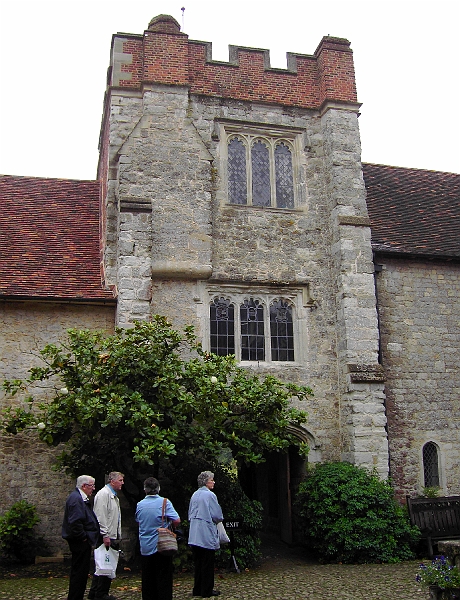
[(350, 515), (148, 396)]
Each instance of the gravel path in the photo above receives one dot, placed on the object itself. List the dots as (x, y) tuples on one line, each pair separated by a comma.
[(283, 575)]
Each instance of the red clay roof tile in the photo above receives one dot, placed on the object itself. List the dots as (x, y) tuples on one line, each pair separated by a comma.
[(49, 239), (413, 211)]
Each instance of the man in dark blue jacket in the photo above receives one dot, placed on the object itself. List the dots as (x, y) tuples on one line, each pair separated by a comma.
[(81, 530)]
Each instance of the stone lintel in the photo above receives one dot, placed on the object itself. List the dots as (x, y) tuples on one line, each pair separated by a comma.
[(135, 205), (180, 270), (354, 220)]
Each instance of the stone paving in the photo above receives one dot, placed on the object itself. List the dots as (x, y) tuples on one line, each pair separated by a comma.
[(283, 575)]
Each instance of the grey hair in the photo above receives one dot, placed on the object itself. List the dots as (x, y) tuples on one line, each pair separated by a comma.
[(114, 475), (84, 479), (204, 477), (151, 486)]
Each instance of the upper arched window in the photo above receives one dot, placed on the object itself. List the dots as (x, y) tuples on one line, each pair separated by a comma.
[(430, 465), (260, 171), (237, 177)]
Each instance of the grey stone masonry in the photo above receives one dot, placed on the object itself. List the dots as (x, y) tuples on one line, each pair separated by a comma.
[(363, 421), (174, 242), (419, 314)]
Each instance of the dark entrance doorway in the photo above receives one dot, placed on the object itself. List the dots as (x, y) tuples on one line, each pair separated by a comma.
[(274, 484)]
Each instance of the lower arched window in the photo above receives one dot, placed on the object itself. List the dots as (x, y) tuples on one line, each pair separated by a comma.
[(251, 328), (430, 465)]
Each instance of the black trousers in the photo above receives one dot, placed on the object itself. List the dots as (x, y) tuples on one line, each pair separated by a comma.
[(79, 568), (157, 577), (204, 571)]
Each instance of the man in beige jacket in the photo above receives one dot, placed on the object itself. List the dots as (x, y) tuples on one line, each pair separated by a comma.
[(107, 509)]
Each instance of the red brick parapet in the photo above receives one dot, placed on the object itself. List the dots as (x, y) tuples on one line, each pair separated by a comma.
[(164, 55)]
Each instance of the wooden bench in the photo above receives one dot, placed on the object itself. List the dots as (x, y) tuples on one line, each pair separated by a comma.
[(437, 518)]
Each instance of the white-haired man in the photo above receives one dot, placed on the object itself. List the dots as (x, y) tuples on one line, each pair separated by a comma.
[(81, 529)]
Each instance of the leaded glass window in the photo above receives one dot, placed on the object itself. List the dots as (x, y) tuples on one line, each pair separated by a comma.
[(222, 321), (237, 177), (252, 330), (260, 163), (430, 465), (260, 170), (281, 331), (284, 177)]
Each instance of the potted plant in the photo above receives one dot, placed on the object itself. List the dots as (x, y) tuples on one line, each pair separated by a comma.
[(442, 579)]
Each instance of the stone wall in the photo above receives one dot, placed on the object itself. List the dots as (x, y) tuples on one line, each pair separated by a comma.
[(419, 313), (25, 463), (176, 237)]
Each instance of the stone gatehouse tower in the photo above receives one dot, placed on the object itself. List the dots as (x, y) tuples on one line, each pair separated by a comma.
[(233, 199)]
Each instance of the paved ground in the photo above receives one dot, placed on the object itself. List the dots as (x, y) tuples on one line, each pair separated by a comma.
[(283, 575)]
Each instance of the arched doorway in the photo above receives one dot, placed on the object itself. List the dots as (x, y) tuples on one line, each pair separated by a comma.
[(274, 484)]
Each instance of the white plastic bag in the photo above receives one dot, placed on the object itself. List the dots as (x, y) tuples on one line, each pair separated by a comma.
[(106, 561), (223, 537)]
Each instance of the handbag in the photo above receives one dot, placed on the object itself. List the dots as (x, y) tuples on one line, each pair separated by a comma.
[(167, 542), (223, 537), (106, 561)]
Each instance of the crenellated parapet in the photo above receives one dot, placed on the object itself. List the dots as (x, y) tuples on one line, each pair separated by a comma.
[(164, 55)]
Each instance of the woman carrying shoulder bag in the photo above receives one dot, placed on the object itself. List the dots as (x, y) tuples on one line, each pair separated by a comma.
[(157, 569)]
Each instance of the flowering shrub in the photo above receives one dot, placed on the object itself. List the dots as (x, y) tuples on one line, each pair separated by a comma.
[(439, 573)]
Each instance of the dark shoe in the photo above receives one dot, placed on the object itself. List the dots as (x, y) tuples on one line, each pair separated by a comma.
[(213, 593)]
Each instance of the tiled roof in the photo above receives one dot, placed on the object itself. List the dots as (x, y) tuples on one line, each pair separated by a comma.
[(413, 211), (49, 228), (49, 239)]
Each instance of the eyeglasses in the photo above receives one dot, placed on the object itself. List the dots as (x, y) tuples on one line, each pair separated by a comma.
[(90, 484)]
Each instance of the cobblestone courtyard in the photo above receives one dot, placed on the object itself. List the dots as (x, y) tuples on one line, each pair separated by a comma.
[(284, 574)]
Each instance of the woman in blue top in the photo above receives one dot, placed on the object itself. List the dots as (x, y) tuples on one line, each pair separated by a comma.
[(157, 569), (204, 513)]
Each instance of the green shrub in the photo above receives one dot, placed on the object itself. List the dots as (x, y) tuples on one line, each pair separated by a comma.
[(17, 536), (431, 491), (351, 516)]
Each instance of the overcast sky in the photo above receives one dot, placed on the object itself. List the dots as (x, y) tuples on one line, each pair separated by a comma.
[(54, 57)]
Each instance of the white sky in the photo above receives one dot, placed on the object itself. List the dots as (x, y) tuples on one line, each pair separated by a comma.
[(54, 57)]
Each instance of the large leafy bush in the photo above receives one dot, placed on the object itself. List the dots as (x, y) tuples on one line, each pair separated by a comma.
[(145, 399), (18, 538), (350, 515)]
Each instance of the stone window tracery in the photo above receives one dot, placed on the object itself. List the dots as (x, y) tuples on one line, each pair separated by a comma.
[(260, 170), (254, 329)]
